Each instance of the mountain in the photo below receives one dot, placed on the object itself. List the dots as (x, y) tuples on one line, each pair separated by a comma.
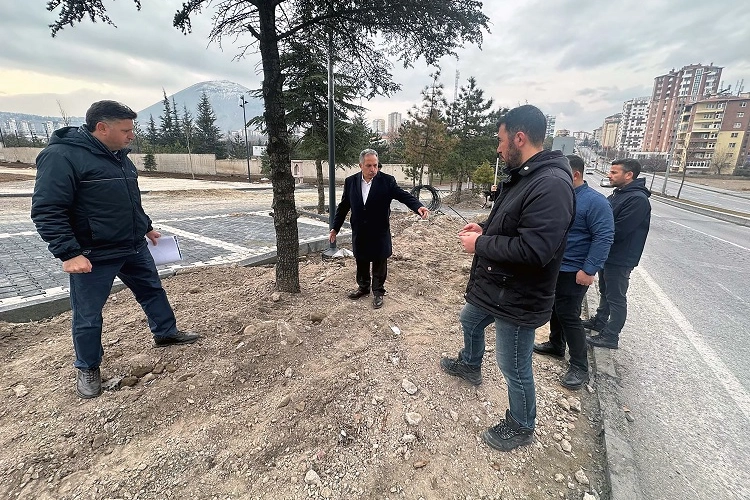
[(224, 97)]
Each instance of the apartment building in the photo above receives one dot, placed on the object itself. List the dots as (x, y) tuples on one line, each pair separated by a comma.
[(672, 92), (550, 125), (378, 126), (713, 134), (610, 130), (394, 123), (633, 125)]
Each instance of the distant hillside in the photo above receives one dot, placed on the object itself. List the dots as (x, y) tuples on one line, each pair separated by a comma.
[(224, 97)]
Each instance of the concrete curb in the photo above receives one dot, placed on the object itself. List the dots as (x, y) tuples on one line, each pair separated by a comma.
[(622, 474), (734, 219)]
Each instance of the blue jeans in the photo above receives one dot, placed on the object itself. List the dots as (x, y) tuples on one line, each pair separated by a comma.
[(613, 302), (89, 292), (514, 345)]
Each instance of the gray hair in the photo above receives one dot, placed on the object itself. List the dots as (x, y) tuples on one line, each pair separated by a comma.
[(366, 152)]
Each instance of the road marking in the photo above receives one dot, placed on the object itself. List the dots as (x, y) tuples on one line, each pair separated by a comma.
[(710, 236), (731, 294), (726, 378)]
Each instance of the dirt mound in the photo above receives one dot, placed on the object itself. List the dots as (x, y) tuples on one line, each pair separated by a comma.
[(287, 395)]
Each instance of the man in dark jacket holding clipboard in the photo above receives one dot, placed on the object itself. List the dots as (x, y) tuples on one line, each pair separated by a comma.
[(368, 194), (87, 206)]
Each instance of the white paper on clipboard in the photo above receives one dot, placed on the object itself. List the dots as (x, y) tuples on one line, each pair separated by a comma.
[(166, 251)]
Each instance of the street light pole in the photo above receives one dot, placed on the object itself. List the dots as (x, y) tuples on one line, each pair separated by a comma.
[(244, 126), (332, 250)]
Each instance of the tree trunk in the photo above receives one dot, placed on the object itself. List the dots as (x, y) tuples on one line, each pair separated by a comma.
[(321, 188), (284, 209)]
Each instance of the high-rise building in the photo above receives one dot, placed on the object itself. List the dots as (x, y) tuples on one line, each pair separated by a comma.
[(394, 123), (597, 135), (378, 126), (633, 125), (550, 125), (713, 134), (670, 95), (610, 130)]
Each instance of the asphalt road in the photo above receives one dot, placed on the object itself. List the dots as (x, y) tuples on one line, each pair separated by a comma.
[(682, 368)]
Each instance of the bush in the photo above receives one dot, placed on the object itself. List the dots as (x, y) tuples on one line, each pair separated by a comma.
[(149, 162)]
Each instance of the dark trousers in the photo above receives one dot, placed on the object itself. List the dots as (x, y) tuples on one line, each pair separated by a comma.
[(379, 273), (613, 302), (565, 325), (89, 292)]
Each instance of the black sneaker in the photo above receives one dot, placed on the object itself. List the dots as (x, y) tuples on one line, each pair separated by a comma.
[(549, 349), (592, 324), (457, 368), (89, 383), (508, 434), (574, 378), (358, 293), (176, 339), (602, 340)]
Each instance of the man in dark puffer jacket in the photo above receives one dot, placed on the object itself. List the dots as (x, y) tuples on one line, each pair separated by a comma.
[(87, 206), (517, 255)]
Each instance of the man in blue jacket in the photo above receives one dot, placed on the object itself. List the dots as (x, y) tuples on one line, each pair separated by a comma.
[(588, 245), (368, 194), (517, 255), (632, 213), (87, 206)]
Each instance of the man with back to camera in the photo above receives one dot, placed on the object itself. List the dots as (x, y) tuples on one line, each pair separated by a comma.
[(87, 206), (517, 255), (587, 248), (368, 194), (632, 214)]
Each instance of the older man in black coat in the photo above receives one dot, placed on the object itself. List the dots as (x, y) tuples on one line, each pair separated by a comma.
[(368, 194)]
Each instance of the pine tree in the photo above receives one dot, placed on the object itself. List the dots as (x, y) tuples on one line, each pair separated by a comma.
[(472, 127), (149, 162), (425, 135), (207, 135)]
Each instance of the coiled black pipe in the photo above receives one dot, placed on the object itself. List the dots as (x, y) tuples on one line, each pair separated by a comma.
[(435, 202)]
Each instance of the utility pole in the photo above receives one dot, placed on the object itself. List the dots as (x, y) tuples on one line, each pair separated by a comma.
[(332, 250), (243, 102)]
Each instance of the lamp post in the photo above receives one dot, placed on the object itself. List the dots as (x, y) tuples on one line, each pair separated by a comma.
[(332, 250), (243, 102)]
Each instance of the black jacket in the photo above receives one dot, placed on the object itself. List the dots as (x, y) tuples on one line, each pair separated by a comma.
[(371, 227), (519, 254), (86, 201), (632, 212)]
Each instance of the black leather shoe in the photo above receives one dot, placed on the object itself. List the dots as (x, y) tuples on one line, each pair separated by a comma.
[(377, 302), (574, 378), (457, 368), (549, 349), (605, 341), (358, 293), (177, 339), (89, 383), (592, 324)]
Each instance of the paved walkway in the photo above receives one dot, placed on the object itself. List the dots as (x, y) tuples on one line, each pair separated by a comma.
[(29, 274)]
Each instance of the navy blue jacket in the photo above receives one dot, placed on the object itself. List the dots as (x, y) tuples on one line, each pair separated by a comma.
[(86, 201), (519, 253), (632, 213), (591, 234), (371, 227)]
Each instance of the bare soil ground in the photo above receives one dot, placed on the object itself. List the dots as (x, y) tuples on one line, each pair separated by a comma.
[(288, 396)]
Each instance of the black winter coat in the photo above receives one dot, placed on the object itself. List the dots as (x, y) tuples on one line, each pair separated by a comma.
[(632, 212), (86, 201), (371, 227), (519, 253)]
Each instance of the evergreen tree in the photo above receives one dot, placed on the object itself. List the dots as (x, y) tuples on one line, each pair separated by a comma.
[(152, 134), (149, 162), (167, 125), (472, 126), (207, 134), (425, 135)]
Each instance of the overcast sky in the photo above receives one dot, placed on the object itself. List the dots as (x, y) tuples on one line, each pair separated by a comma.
[(576, 59)]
